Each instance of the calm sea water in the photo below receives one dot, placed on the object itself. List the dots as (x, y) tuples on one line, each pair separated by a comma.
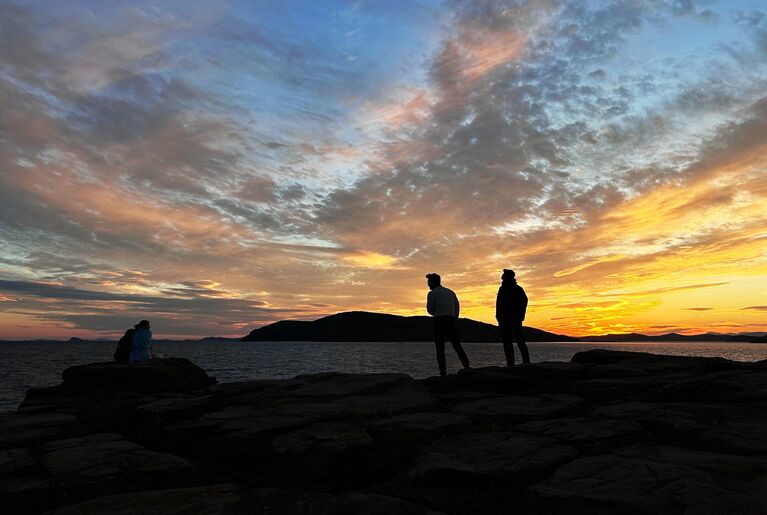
[(40, 364)]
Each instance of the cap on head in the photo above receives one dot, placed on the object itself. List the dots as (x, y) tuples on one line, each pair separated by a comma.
[(434, 279), (508, 274)]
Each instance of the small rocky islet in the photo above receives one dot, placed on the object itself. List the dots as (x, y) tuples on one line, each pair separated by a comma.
[(609, 432)]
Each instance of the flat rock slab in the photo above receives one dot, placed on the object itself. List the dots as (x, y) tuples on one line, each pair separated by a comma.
[(584, 433), (156, 375), (727, 386), (521, 408), (367, 395), (744, 474), (222, 499), (682, 413), (490, 379), (230, 499), (323, 452), (27, 494), (335, 384), (28, 430), (613, 484), (418, 427), (657, 362), (180, 408), (105, 464), (467, 460), (322, 442), (255, 420), (272, 501), (401, 400), (748, 438), (16, 463), (98, 411), (362, 504)]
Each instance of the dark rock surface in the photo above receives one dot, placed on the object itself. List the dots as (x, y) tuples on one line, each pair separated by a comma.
[(611, 432)]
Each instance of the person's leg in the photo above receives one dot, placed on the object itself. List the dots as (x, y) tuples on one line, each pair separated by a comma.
[(455, 340), (439, 344), (521, 342), (508, 343)]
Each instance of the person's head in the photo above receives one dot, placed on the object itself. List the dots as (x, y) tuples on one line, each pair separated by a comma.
[(433, 280), (144, 324), (508, 275)]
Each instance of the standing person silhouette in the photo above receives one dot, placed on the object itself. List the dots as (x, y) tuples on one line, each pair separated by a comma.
[(510, 308), (442, 305)]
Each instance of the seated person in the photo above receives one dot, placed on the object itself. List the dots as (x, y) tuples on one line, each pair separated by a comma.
[(124, 346), (142, 343)]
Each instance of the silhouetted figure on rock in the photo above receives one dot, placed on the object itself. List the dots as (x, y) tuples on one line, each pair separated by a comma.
[(510, 308), (442, 305), (124, 346), (142, 343)]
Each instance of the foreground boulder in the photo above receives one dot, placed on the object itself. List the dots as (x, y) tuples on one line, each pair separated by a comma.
[(104, 396), (157, 375), (610, 432)]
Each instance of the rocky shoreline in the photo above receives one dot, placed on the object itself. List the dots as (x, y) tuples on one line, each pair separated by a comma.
[(608, 432)]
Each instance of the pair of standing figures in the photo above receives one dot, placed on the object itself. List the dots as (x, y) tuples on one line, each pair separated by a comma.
[(510, 307)]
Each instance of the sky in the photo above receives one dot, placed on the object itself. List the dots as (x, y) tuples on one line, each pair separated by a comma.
[(215, 166)]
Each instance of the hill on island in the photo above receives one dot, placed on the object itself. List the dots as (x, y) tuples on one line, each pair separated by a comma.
[(668, 337), (362, 326)]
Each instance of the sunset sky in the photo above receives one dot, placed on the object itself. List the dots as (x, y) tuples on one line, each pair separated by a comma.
[(214, 166)]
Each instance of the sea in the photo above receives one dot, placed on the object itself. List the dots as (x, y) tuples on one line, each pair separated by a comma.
[(34, 364)]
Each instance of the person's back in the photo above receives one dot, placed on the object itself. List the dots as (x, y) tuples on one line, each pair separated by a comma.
[(442, 305), (510, 309), (441, 301), (512, 302), (142, 342), (124, 347)]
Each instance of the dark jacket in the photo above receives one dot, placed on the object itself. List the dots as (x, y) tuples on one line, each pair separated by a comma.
[(511, 304), (124, 346)]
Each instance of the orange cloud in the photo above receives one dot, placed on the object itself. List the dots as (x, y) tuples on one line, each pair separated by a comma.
[(479, 51), (366, 259)]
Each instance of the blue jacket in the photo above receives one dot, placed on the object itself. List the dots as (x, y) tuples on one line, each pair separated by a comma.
[(142, 339)]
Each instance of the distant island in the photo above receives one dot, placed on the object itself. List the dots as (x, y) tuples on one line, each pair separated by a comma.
[(676, 337), (364, 326)]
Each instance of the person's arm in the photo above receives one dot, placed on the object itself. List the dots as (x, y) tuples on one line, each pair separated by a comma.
[(457, 306), (499, 304), (430, 303), (524, 303)]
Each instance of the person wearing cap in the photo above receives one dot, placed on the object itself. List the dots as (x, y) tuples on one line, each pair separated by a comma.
[(442, 304), (510, 308), (142, 343)]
